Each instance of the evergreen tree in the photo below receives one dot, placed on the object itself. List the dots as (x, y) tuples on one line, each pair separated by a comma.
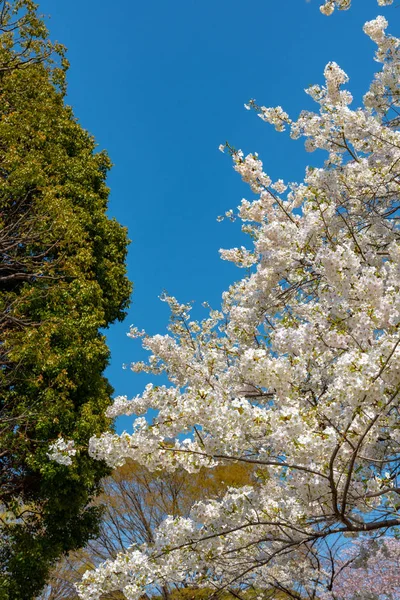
[(62, 280)]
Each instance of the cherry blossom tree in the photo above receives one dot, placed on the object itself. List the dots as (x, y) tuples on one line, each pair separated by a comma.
[(298, 374), (369, 571)]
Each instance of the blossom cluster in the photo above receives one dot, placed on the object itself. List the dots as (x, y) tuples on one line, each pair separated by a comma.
[(298, 374), (62, 451), (330, 5)]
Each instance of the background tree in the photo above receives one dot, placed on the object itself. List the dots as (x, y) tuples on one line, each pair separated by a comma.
[(62, 279), (135, 502), (369, 571)]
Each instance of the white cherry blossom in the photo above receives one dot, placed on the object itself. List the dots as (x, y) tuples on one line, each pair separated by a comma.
[(330, 5), (62, 451)]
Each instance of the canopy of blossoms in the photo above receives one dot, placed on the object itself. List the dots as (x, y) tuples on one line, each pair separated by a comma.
[(298, 374)]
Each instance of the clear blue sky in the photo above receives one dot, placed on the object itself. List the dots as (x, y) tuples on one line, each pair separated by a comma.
[(160, 85)]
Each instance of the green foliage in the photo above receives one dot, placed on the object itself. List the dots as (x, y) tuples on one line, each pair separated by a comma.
[(62, 279)]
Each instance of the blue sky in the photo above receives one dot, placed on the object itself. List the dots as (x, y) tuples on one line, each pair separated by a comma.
[(160, 85)]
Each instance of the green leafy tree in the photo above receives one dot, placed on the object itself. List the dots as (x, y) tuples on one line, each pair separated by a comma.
[(62, 280)]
